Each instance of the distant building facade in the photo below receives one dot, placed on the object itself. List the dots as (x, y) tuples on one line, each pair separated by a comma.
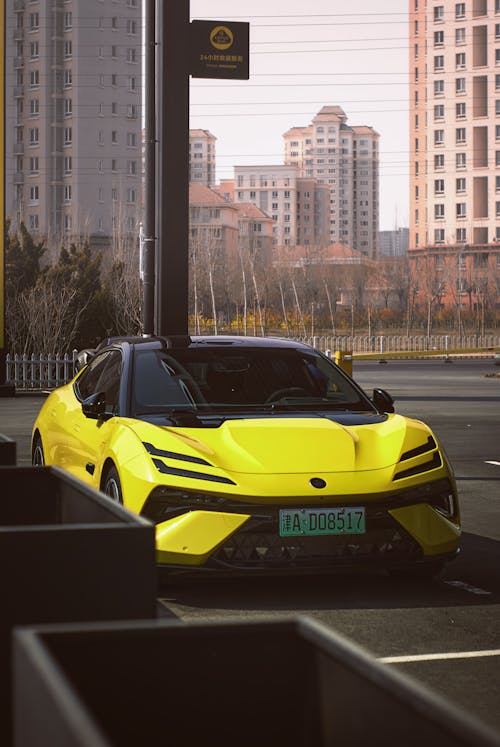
[(73, 117), (394, 243), (346, 159), (202, 157)]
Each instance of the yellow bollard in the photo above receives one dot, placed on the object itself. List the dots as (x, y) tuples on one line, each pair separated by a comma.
[(344, 360)]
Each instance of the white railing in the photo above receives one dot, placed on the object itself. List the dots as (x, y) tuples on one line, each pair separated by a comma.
[(403, 344), (40, 371)]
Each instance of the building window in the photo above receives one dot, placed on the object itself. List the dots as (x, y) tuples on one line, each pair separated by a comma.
[(100, 137), (67, 193), (460, 10), (497, 158), (34, 50), (497, 30), (68, 165), (34, 108), (438, 13), (497, 209), (460, 60), (439, 161), (68, 21), (34, 22), (460, 110), (34, 223), (459, 85), (114, 164), (131, 27), (460, 36), (114, 23), (132, 111), (461, 235), (439, 88), (34, 135), (439, 112), (461, 210), (438, 186), (439, 211), (68, 49), (68, 107), (34, 165), (132, 83), (497, 56), (438, 137), (131, 139), (438, 63), (34, 78), (34, 194), (460, 135), (439, 38), (131, 55), (439, 235), (68, 135), (68, 78), (460, 160), (131, 196), (68, 223), (460, 184)]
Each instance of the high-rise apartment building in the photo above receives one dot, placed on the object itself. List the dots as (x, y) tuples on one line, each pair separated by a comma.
[(202, 157), (73, 117), (346, 159), (454, 122), (298, 207)]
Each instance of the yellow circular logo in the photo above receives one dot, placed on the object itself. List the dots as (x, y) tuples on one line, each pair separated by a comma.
[(221, 37)]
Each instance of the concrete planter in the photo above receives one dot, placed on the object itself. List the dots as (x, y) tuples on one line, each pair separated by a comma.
[(282, 682), (67, 554)]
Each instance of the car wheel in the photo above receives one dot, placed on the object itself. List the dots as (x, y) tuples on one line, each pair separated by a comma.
[(111, 485), (37, 455)]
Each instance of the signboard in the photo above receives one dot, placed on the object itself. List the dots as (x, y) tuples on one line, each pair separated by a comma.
[(219, 49)]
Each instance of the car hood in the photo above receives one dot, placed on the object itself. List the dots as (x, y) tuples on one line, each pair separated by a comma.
[(290, 445)]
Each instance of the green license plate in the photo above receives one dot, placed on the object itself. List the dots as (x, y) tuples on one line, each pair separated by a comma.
[(317, 521)]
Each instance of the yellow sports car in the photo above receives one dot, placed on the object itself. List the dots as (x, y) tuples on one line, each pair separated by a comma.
[(253, 454)]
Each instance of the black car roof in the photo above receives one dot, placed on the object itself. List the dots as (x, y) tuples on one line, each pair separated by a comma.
[(185, 341)]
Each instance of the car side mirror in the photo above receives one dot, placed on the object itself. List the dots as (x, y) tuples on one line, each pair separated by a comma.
[(383, 400), (94, 406), (83, 357)]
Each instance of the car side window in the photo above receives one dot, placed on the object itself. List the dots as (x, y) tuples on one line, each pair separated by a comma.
[(109, 381), (86, 384)]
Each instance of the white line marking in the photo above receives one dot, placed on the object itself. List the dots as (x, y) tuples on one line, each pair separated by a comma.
[(497, 464), (435, 657), (467, 587)]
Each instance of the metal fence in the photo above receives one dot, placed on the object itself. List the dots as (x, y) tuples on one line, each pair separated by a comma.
[(40, 371), (50, 371)]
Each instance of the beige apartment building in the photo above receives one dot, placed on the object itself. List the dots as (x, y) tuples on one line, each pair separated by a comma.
[(73, 117), (298, 207), (346, 159), (202, 157), (454, 123)]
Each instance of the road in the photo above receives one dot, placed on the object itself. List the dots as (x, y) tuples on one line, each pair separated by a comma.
[(444, 633)]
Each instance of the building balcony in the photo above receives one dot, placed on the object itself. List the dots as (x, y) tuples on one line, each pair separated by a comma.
[(18, 149), (18, 62), (18, 34), (19, 178), (19, 5), (18, 92)]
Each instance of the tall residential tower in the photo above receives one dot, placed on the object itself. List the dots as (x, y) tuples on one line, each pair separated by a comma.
[(73, 117)]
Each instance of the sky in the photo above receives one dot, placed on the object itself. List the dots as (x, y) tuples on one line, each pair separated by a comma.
[(305, 55)]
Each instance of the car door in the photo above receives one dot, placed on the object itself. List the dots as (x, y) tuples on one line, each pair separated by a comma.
[(88, 437)]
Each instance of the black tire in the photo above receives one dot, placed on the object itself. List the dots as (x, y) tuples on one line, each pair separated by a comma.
[(37, 455), (111, 485)]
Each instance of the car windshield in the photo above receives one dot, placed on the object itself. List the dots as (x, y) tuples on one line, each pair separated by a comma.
[(224, 380)]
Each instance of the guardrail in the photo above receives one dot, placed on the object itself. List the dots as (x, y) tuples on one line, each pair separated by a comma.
[(40, 371)]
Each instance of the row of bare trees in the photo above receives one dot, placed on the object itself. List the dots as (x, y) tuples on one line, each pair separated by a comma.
[(80, 296)]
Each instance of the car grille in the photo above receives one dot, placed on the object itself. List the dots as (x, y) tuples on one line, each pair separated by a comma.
[(257, 545)]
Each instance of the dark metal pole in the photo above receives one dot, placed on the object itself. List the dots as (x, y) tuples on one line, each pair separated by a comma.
[(149, 169), (172, 167)]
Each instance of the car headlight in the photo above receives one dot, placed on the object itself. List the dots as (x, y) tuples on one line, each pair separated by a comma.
[(445, 503)]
